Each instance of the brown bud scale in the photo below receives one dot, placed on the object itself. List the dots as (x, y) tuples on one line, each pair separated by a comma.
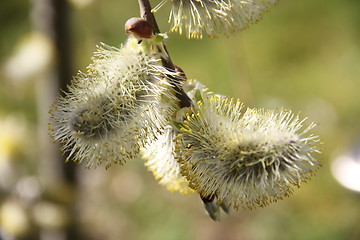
[(138, 27)]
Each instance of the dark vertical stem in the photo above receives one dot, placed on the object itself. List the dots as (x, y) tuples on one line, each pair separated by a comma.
[(52, 18), (145, 12), (62, 41), (63, 72)]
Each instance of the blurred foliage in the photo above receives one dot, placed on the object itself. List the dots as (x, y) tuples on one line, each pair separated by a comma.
[(304, 55)]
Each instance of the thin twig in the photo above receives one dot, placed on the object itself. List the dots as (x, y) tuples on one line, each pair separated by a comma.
[(145, 13)]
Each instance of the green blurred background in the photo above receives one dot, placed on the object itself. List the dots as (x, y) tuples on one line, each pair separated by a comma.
[(304, 56)]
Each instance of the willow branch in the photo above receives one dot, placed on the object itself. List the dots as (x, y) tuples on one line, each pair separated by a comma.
[(145, 13)]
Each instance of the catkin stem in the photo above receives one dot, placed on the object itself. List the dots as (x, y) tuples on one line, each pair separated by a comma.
[(185, 101), (145, 13)]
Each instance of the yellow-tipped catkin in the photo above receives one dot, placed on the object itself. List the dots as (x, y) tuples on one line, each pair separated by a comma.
[(123, 100), (245, 159), (216, 17), (160, 155), (161, 161)]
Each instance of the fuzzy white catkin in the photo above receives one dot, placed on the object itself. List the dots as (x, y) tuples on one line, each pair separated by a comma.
[(216, 17), (123, 100), (160, 156), (160, 160), (244, 159)]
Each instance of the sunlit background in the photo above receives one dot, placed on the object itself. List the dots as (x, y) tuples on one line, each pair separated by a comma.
[(304, 56)]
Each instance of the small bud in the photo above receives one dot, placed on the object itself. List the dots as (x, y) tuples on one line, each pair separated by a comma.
[(138, 27), (211, 208)]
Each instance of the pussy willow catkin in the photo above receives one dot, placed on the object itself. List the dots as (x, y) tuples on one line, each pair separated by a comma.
[(160, 160), (111, 111), (244, 159), (160, 155), (216, 17)]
